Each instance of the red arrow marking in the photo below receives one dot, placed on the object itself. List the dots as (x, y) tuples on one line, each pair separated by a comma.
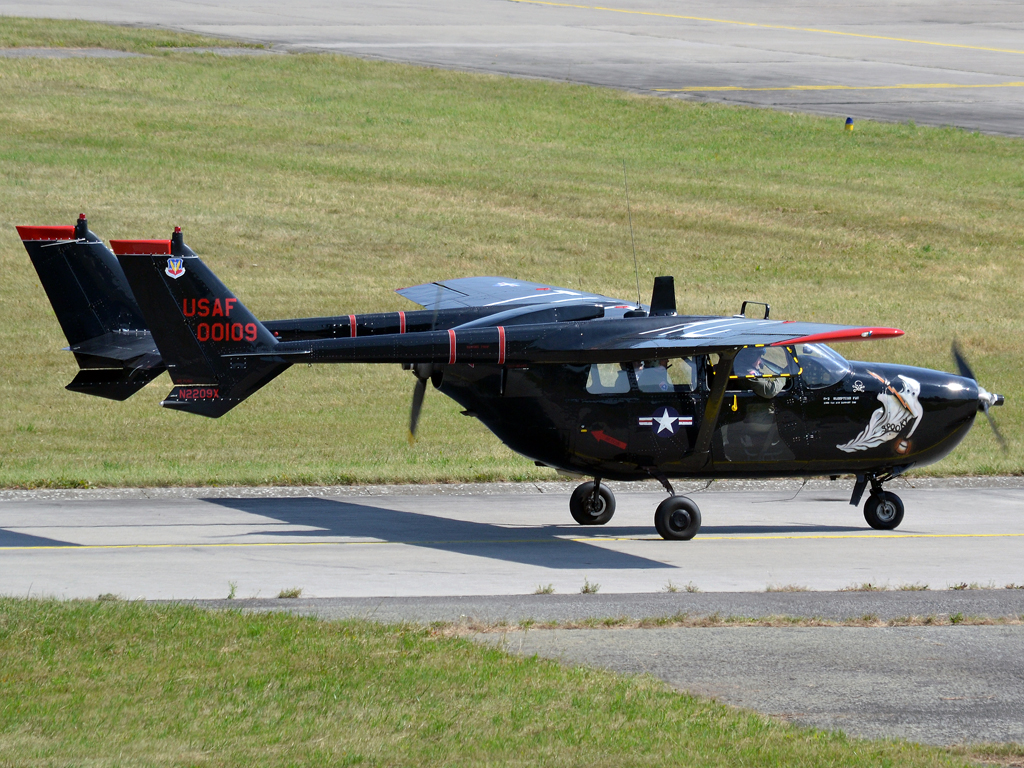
[(601, 437)]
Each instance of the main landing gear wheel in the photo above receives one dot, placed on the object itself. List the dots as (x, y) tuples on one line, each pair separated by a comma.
[(677, 518), (883, 510), (587, 508)]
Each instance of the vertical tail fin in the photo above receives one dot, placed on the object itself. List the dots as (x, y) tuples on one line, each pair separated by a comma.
[(197, 323), (95, 308)]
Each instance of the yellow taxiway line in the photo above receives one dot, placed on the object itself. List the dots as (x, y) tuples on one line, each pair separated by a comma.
[(658, 14), (553, 540), (898, 86)]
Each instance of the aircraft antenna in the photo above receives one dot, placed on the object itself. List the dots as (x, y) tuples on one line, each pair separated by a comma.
[(632, 242)]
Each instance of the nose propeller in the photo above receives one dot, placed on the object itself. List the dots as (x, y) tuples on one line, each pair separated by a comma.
[(986, 399)]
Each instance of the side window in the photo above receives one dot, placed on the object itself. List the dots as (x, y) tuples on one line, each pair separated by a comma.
[(675, 375), (683, 373), (652, 376), (607, 379)]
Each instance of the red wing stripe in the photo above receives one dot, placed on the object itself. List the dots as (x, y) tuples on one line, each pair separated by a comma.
[(501, 345), (401, 322), (352, 326), (848, 334), (451, 346)]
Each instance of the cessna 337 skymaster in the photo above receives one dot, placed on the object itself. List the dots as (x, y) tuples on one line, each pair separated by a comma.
[(579, 382)]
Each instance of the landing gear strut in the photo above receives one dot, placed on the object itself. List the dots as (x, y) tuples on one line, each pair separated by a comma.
[(883, 510), (592, 503)]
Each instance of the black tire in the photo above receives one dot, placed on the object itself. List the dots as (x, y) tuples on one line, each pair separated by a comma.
[(883, 511), (677, 518), (585, 511)]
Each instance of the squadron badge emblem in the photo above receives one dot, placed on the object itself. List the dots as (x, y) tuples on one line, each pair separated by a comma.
[(175, 268)]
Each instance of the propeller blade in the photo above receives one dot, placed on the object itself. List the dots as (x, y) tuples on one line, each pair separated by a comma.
[(999, 435), (985, 399), (961, 363), (417, 405)]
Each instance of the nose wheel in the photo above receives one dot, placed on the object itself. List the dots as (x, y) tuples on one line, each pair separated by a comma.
[(883, 510)]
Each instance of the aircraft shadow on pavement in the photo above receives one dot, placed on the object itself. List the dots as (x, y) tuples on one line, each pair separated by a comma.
[(15, 539), (533, 546)]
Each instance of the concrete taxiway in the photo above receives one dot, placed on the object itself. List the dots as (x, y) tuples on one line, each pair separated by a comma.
[(937, 63), (496, 540)]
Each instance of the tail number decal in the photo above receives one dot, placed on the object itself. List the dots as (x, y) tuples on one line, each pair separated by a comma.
[(198, 393), (225, 332)]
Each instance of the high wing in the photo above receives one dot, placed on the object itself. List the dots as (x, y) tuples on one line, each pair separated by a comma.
[(600, 340), (500, 291), (693, 334)]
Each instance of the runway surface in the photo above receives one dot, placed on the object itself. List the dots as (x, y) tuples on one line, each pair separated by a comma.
[(496, 540), (937, 63)]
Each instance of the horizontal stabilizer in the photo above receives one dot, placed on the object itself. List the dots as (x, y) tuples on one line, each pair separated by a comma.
[(113, 349), (113, 383)]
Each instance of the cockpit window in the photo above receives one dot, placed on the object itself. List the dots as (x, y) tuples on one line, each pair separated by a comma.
[(762, 363), (608, 379), (822, 366)]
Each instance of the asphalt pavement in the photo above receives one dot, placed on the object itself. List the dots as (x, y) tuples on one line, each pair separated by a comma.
[(936, 63), (933, 685)]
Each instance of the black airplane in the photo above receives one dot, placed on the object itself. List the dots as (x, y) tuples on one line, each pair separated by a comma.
[(586, 384)]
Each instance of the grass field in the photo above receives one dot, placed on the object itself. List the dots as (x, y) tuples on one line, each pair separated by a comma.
[(316, 184), (114, 683)]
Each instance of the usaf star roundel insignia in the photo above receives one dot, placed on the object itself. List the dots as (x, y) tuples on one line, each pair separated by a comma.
[(665, 420)]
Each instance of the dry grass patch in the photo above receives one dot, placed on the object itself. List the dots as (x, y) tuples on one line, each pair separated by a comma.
[(686, 620)]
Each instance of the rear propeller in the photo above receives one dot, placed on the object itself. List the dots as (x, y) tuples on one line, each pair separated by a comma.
[(986, 399), (423, 373)]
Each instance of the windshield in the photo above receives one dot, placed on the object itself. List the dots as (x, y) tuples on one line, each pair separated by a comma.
[(822, 366)]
